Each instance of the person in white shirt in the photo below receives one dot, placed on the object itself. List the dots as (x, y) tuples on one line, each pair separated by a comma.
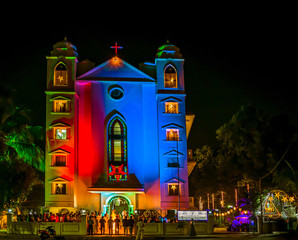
[(140, 227)]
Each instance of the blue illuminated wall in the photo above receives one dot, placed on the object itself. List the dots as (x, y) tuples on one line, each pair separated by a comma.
[(137, 108), (170, 153), (172, 150)]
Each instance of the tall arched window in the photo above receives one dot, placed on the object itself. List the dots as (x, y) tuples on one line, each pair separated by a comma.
[(60, 75), (170, 75), (117, 150)]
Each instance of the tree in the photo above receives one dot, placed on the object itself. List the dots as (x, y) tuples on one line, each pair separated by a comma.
[(17, 179), (17, 135), (21, 159), (251, 143), (208, 178), (249, 146)]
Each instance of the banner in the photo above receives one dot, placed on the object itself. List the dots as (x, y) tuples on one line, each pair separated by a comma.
[(195, 215)]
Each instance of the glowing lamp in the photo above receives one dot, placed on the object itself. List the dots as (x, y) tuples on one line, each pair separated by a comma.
[(83, 212)]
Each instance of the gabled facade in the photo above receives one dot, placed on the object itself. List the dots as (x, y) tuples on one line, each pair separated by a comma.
[(116, 135)]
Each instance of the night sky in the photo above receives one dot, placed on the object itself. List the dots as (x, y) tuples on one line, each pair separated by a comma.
[(230, 60)]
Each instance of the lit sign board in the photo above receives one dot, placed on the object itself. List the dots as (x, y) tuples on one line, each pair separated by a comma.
[(195, 215)]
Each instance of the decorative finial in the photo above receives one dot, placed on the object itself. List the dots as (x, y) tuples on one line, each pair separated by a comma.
[(65, 38)]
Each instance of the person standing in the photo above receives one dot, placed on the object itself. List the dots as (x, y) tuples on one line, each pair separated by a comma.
[(102, 222), (93, 217), (117, 224), (124, 214), (140, 227), (90, 226), (125, 225), (110, 225), (106, 218), (192, 228), (97, 219), (130, 225)]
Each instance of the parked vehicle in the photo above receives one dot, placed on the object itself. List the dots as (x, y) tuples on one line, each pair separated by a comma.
[(48, 233)]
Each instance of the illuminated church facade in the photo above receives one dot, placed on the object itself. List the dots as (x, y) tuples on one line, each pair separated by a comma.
[(116, 135)]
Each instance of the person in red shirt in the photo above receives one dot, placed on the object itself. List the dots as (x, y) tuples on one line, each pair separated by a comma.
[(57, 217)]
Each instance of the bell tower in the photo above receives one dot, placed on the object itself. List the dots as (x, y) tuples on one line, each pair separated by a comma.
[(172, 127), (60, 126)]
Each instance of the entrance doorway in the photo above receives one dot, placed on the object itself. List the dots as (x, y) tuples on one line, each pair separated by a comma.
[(119, 204)]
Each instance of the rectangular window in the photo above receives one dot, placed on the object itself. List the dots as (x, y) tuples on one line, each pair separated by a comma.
[(60, 188), (60, 106), (173, 189), (171, 107), (60, 78), (172, 134), (59, 160), (173, 162), (117, 150), (60, 133)]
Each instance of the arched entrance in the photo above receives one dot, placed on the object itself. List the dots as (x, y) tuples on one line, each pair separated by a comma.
[(119, 204)]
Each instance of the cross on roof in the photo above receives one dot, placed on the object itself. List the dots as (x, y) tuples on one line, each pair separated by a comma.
[(116, 47)]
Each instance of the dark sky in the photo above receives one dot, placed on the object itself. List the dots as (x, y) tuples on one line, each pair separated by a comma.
[(230, 59)]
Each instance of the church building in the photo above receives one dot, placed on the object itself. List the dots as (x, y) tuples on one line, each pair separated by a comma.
[(116, 135)]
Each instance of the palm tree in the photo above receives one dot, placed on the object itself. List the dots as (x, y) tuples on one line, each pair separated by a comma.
[(17, 136), (20, 157)]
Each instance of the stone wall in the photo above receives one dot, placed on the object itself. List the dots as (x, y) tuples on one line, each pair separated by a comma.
[(61, 228), (80, 228), (178, 228)]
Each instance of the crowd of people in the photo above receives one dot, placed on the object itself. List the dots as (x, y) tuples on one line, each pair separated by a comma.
[(50, 217), (111, 224), (98, 224), (105, 224)]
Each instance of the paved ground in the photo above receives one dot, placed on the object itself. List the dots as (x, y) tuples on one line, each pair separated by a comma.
[(238, 236), (217, 235)]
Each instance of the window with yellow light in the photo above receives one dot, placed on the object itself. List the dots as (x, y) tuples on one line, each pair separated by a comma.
[(60, 75), (170, 77), (171, 107), (60, 106), (173, 189), (59, 188), (172, 134)]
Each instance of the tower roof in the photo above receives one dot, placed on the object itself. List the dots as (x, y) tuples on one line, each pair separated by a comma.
[(116, 69), (64, 48), (168, 50)]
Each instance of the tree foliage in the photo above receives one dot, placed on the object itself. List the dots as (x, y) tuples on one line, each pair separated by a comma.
[(249, 146), (17, 135), (21, 158), (17, 179)]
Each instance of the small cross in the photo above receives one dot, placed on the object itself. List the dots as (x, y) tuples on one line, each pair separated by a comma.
[(116, 48)]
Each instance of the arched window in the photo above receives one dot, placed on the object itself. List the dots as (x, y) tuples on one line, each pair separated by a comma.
[(117, 150), (60, 75), (170, 76)]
